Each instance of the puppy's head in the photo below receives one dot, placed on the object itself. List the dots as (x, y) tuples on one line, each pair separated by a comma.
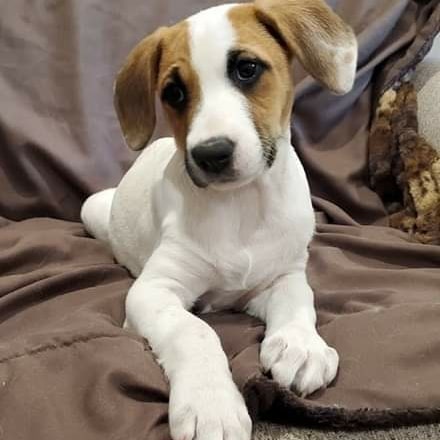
[(225, 82)]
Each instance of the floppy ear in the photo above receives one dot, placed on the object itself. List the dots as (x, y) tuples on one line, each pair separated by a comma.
[(309, 29), (134, 91)]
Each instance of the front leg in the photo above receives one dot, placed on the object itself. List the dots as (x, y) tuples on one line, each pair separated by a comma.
[(204, 401), (292, 349)]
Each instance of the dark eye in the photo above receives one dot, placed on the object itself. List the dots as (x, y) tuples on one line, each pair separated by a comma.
[(247, 70), (243, 71), (174, 95)]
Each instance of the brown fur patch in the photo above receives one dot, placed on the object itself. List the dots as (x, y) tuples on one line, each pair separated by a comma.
[(145, 72), (271, 99), (134, 91), (176, 55)]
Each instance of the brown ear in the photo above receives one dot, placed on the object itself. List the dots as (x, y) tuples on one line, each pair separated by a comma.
[(134, 91), (309, 29)]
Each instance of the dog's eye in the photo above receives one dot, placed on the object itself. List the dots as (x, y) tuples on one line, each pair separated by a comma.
[(246, 70), (174, 95)]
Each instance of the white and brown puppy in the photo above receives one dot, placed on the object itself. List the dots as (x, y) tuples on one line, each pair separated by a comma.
[(221, 214)]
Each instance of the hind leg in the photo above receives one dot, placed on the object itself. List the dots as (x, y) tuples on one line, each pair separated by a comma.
[(95, 214)]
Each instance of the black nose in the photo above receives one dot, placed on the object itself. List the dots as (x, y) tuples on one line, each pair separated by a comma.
[(214, 155)]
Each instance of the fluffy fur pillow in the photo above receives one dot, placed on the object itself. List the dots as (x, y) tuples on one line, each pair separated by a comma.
[(404, 166)]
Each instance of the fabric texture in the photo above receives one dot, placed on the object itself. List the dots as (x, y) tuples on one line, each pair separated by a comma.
[(404, 160), (429, 97), (427, 83), (67, 369), (404, 167), (266, 431)]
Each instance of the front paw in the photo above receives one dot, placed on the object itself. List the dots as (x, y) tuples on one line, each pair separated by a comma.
[(209, 408), (298, 358)]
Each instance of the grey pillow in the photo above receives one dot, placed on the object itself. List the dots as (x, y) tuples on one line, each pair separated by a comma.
[(427, 82)]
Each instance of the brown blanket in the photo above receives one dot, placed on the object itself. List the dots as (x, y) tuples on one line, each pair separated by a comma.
[(67, 369)]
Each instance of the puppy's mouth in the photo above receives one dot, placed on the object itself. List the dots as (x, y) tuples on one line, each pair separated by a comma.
[(233, 171), (196, 179), (202, 179)]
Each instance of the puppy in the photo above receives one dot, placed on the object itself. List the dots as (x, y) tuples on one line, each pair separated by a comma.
[(220, 214)]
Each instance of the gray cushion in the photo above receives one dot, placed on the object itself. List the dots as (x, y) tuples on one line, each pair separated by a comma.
[(427, 81)]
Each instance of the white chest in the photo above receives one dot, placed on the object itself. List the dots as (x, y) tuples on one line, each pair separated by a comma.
[(243, 270), (249, 242), (244, 266)]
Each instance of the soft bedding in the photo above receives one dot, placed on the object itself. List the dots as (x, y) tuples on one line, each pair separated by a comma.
[(67, 368)]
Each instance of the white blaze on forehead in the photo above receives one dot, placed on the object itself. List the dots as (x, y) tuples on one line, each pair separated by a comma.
[(211, 37), (223, 110)]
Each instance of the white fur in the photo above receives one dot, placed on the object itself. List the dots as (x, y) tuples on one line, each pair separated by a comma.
[(345, 57), (214, 116), (186, 244)]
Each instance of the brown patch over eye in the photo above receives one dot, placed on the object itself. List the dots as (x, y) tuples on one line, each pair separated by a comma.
[(175, 93), (261, 70), (179, 87)]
